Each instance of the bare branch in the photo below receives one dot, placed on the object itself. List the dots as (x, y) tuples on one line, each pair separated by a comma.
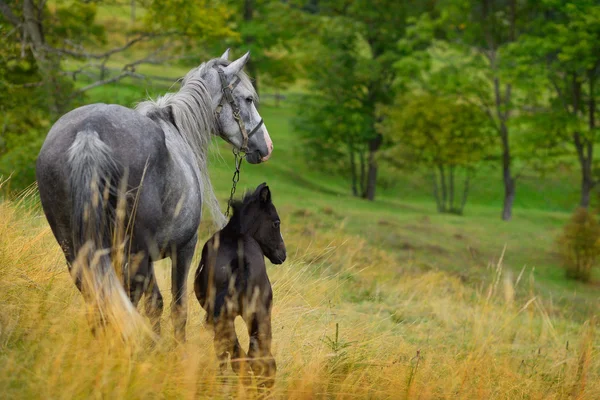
[(149, 59), (98, 56), (83, 54), (115, 78)]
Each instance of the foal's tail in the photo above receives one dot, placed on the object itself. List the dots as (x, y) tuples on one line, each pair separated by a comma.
[(94, 180)]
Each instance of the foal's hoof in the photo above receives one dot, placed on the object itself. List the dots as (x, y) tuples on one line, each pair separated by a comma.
[(265, 382)]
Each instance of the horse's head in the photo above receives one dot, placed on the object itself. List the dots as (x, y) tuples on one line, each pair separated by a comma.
[(234, 103), (259, 219)]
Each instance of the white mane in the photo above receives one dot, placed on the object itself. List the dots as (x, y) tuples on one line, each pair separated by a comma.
[(192, 111)]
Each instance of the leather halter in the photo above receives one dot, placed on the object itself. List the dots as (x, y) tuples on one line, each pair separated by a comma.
[(227, 89)]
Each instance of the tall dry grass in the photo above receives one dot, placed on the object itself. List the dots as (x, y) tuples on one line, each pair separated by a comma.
[(400, 334)]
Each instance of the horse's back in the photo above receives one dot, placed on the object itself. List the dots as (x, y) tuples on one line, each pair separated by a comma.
[(133, 138)]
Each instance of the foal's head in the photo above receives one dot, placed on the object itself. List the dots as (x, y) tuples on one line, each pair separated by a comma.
[(256, 216)]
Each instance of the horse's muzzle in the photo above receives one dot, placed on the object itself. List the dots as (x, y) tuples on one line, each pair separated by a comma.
[(254, 157)]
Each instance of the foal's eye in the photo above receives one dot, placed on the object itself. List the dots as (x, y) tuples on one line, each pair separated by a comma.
[(249, 100), (275, 224)]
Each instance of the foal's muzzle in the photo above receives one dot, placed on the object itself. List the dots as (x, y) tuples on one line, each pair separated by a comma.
[(279, 256)]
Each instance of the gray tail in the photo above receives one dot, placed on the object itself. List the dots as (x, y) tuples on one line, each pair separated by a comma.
[(94, 180)]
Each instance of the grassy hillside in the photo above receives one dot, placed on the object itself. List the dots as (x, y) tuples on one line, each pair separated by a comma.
[(349, 321)]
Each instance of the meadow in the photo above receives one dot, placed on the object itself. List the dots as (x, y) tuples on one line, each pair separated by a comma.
[(383, 299)]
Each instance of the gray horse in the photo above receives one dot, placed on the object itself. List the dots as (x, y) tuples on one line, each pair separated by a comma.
[(104, 163)]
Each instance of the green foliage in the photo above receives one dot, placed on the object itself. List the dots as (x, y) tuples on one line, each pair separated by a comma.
[(335, 121), (24, 112), (433, 130), (351, 76), (194, 22), (442, 134), (75, 22), (273, 32), (18, 161), (579, 245), (561, 52)]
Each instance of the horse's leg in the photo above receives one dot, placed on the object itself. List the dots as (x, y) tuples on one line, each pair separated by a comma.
[(180, 268), (261, 360), (154, 301), (140, 279)]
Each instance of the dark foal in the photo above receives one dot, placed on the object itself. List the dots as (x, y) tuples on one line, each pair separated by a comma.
[(232, 280)]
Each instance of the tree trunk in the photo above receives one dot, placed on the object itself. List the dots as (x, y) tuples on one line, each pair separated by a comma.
[(465, 191), (509, 181), (436, 193), (374, 145), (583, 145), (251, 65), (587, 185), (361, 157), (451, 186), (47, 63), (444, 187), (353, 169), (584, 150)]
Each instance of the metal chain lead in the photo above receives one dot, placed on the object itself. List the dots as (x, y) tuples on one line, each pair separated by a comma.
[(236, 177)]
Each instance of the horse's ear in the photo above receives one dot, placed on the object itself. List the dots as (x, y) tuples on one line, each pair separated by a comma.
[(237, 65), (264, 195), (225, 55)]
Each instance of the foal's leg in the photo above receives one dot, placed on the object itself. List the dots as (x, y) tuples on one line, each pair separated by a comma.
[(181, 261), (261, 360), (154, 301), (226, 340)]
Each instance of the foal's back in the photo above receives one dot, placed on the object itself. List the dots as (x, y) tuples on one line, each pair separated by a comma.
[(232, 268)]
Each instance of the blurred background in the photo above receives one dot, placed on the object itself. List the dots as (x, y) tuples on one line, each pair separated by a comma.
[(419, 124)]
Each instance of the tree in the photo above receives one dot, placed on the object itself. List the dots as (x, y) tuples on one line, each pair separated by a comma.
[(442, 134), (488, 27), (564, 49), (46, 65), (68, 30), (352, 75), (272, 31)]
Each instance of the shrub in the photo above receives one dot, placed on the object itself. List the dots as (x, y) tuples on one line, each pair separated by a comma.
[(579, 245)]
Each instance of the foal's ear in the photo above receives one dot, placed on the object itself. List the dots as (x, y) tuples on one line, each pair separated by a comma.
[(225, 55), (265, 195), (237, 65)]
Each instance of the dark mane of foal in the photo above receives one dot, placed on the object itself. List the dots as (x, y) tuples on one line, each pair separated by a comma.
[(236, 225)]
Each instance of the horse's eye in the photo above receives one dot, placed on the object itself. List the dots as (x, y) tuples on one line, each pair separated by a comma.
[(275, 224), (249, 100)]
